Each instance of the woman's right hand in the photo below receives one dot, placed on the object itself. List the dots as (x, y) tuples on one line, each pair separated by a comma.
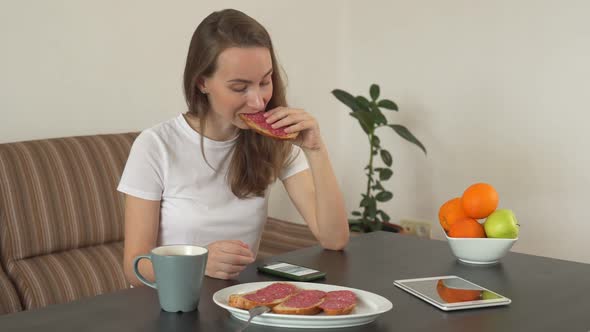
[(227, 258)]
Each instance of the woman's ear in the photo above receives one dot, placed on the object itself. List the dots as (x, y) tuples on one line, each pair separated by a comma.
[(201, 85)]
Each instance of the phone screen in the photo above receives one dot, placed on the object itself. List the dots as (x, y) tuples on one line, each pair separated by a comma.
[(291, 271)]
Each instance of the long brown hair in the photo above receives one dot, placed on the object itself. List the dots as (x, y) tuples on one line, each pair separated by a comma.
[(256, 160)]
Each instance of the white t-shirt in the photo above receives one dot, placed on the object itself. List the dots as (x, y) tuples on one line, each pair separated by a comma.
[(197, 205)]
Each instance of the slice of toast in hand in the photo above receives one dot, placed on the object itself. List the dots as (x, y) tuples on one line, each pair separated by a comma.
[(257, 122), (269, 296), (306, 302), (338, 302)]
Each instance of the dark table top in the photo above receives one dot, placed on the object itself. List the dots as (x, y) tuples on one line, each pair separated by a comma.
[(547, 294)]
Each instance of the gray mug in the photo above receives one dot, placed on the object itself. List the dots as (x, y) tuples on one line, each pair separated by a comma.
[(179, 271)]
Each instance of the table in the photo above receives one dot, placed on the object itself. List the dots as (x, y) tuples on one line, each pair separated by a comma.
[(547, 294)]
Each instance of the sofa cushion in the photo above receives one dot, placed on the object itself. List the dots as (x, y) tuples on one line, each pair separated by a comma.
[(69, 275), (9, 301), (60, 194)]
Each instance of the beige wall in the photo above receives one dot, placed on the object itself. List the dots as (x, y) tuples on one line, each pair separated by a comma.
[(496, 91)]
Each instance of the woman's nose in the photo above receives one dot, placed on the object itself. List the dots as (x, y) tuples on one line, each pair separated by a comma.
[(255, 101)]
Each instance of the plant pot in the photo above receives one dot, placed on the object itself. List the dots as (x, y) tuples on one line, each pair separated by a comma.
[(387, 227), (394, 228)]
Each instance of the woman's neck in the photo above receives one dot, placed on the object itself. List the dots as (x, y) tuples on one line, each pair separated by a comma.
[(214, 128)]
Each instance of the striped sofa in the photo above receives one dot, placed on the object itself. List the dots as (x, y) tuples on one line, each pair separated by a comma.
[(61, 221)]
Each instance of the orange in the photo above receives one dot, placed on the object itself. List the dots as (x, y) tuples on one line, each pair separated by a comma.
[(467, 228), (479, 200), (452, 295), (450, 212)]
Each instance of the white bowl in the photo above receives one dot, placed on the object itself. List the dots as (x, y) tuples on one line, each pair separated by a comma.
[(480, 250)]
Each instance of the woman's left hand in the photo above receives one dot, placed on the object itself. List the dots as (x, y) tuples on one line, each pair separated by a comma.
[(297, 120)]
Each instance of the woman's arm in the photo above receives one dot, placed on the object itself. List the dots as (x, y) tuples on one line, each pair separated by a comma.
[(317, 197), (314, 192), (142, 218)]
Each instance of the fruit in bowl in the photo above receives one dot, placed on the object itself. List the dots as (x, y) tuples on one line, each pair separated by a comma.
[(501, 224), (476, 242)]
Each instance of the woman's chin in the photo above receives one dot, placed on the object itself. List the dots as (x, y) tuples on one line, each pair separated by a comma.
[(240, 124)]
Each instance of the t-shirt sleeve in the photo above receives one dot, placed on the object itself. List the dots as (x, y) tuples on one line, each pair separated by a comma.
[(143, 173), (296, 163)]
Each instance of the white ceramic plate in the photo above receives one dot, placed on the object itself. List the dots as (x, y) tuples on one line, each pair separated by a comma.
[(368, 307)]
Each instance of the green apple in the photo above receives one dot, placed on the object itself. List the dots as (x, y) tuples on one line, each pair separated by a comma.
[(501, 224)]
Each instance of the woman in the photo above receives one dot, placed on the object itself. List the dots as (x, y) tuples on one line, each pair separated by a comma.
[(202, 177)]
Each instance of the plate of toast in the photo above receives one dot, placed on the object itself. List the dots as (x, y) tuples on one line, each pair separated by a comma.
[(302, 304)]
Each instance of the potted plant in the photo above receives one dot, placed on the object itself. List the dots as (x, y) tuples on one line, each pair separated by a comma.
[(370, 118)]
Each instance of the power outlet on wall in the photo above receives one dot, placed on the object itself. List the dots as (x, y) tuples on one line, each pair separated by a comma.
[(417, 228)]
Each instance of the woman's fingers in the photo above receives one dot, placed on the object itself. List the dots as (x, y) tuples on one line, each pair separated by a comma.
[(234, 259), (296, 121), (280, 112), (235, 249), (290, 119), (240, 243), (224, 275), (228, 258), (230, 268), (300, 126)]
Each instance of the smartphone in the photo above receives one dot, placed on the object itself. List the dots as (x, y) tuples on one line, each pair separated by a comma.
[(291, 271)]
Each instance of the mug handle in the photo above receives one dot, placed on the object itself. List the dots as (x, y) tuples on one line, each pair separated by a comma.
[(138, 274)]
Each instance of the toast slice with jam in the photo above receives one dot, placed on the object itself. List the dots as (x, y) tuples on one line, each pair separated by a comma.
[(306, 302), (269, 296), (339, 302), (257, 122)]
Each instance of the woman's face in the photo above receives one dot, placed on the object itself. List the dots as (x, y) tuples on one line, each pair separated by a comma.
[(242, 83)]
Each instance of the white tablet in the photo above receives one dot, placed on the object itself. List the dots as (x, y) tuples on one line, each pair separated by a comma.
[(451, 293)]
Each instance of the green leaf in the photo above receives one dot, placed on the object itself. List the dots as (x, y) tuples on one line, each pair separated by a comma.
[(378, 186), (386, 157), (363, 103), (356, 213), (368, 119), (378, 117), (384, 216), (347, 99), (384, 196), (364, 201), (385, 174), (365, 121), (375, 141), (374, 91), (407, 135), (387, 104)]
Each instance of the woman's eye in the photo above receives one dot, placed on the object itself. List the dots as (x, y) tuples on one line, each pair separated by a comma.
[(239, 88), (265, 83)]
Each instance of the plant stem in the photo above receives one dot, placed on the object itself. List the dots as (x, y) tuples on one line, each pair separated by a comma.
[(370, 165)]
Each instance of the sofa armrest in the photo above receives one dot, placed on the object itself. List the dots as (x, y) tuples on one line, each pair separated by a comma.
[(281, 236), (9, 300)]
